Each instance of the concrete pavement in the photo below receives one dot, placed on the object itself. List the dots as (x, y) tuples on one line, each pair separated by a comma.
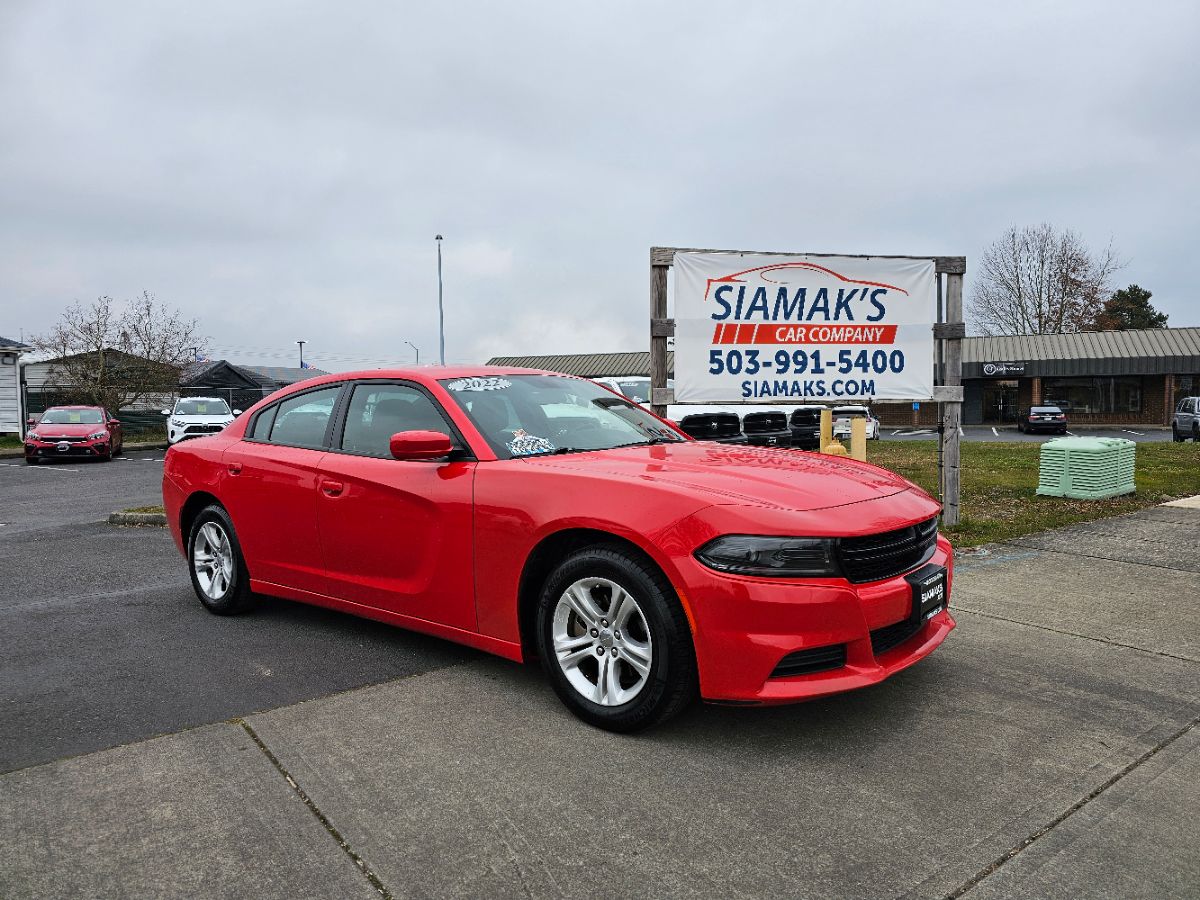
[(1048, 749)]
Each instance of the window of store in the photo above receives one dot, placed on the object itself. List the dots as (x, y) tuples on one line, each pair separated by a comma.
[(1185, 386), (1093, 396)]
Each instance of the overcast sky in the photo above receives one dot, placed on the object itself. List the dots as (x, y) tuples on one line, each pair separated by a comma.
[(279, 170)]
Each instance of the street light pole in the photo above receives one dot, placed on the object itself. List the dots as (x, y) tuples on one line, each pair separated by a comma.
[(417, 350), (302, 343), (441, 314)]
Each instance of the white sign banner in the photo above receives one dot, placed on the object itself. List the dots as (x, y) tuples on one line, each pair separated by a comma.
[(766, 329)]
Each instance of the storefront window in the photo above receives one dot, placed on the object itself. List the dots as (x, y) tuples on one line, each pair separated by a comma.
[(1185, 386), (1093, 396)]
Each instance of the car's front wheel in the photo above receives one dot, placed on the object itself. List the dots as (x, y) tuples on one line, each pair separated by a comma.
[(1175, 435), (215, 561), (615, 641)]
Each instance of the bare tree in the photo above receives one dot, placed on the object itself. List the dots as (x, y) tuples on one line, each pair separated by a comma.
[(114, 354), (1037, 280)]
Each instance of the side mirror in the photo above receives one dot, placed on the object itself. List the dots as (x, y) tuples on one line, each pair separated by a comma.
[(237, 412), (420, 445), (31, 421), (165, 412)]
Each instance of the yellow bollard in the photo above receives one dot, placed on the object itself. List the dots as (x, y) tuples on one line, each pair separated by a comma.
[(858, 438)]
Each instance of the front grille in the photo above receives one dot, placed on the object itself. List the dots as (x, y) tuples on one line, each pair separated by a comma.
[(69, 439), (891, 636), (806, 662), (711, 426), (879, 556), (204, 429), (764, 423), (806, 417)]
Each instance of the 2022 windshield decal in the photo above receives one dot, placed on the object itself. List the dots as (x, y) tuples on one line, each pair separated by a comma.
[(475, 384)]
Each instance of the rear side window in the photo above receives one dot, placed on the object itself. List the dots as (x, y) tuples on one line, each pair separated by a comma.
[(262, 424), (301, 421), (377, 411)]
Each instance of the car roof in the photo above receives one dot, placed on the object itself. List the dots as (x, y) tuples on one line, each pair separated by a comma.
[(426, 374), (222, 399), (71, 406)]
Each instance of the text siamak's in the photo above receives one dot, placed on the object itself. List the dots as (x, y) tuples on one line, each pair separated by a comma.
[(797, 307)]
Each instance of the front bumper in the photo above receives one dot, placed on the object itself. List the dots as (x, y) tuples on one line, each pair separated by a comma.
[(769, 439), (66, 449), (744, 627)]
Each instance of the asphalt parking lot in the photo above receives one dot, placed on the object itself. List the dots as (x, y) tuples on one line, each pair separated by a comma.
[(1048, 749)]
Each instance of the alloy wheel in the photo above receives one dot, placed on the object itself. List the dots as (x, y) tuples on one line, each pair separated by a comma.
[(602, 642), (212, 560)]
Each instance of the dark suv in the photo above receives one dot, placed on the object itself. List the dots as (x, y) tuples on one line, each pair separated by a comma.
[(724, 427), (1186, 421)]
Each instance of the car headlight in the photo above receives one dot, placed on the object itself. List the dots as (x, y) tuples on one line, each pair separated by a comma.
[(775, 557), (31, 436), (97, 435)]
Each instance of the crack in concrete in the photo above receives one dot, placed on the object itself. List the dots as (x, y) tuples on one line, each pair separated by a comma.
[(358, 861), (1086, 637), (1014, 851)]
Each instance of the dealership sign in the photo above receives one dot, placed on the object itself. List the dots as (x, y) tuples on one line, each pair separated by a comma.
[(1002, 369), (763, 328)]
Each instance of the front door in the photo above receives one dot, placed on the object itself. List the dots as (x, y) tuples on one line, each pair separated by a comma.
[(397, 535)]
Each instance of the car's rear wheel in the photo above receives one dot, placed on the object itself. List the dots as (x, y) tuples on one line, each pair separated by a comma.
[(614, 640), (216, 565)]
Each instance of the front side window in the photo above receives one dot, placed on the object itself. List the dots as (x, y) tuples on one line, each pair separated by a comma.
[(527, 415), (301, 421), (377, 411), (190, 407)]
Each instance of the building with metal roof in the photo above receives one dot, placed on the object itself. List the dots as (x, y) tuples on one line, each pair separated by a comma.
[(1097, 377)]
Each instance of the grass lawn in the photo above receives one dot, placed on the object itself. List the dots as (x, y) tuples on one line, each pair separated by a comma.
[(999, 483), (10, 442), (144, 509)]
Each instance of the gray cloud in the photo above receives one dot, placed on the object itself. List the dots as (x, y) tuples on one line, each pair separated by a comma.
[(279, 170)]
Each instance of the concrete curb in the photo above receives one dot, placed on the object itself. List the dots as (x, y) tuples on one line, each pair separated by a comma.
[(19, 453), (126, 518)]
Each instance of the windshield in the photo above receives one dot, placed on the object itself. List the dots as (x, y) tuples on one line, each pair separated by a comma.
[(202, 408), (527, 415), (72, 417)]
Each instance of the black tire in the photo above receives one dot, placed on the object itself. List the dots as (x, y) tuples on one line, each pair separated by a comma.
[(1196, 432), (32, 461), (1175, 435), (671, 683), (235, 597)]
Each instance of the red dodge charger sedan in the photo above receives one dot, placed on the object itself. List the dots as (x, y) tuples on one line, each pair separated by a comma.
[(533, 514)]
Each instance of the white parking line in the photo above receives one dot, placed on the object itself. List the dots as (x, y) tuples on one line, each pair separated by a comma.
[(1138, 433), (961, 433), (995, 432), (896, 432), (48, 469), (1071, 433)]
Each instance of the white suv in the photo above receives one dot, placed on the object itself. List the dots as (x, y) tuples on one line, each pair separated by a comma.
[(196, 417), (1186, 422)]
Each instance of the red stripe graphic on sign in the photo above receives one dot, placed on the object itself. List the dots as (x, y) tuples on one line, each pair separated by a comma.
[(728, 333)]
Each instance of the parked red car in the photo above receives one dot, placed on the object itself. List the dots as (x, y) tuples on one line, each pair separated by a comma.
[(73, 431), (533, 514)]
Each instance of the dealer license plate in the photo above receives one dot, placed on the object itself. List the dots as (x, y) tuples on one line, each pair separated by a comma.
[(928, 591)]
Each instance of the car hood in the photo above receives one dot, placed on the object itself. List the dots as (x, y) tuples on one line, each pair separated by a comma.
[(726, 474), (69, 430)]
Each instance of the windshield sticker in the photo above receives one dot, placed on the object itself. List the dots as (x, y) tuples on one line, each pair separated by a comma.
[(525, 444), (479, 384)]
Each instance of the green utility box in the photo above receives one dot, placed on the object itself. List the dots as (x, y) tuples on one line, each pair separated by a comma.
[(1086, 468)]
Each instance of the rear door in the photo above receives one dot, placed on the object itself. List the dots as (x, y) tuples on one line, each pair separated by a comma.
[(269, 486), (397, 535)]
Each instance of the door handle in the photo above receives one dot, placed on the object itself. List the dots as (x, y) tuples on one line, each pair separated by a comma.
[(332, 488), (235, 468)]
